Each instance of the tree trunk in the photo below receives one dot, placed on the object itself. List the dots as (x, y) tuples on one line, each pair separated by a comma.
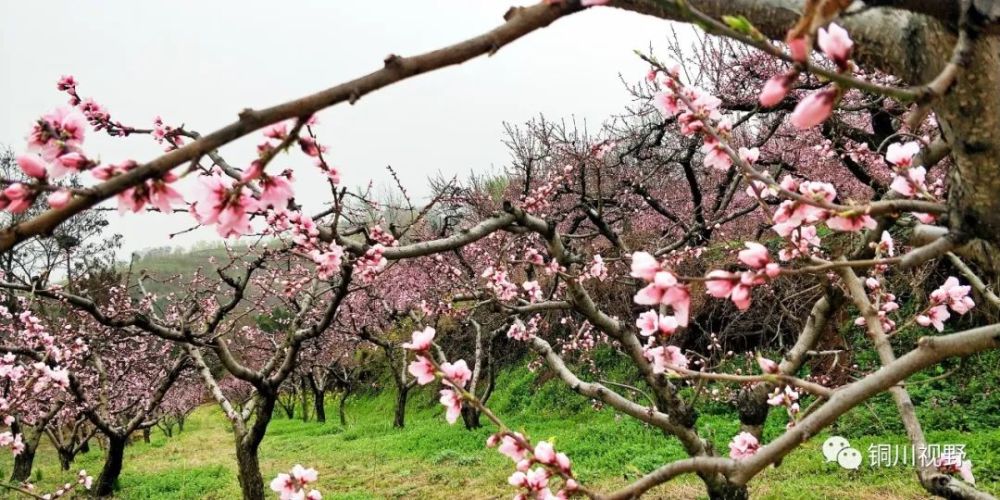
[(343, 408), (180, 424), (65, 459), (399, 420), (145, 435), (24, 461), (108, 479), (251, 481), (85, 447), (319, 395), (305, 401), (470, 417), (727, 491), (289, 409)]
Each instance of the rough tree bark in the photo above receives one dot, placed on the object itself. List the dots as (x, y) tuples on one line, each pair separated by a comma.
[(114, 458)]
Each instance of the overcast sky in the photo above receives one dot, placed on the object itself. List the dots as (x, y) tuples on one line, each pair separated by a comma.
[(199, 63)]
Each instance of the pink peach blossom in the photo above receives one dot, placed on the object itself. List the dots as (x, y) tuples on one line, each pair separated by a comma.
[(60, 198), (421, 340), (32, 165), (744, 445), (901, 155), (458, 372), (452, 403), (776, 88), (814, 108), (755, 256), (836, 44), (422, 369), (644, 266)]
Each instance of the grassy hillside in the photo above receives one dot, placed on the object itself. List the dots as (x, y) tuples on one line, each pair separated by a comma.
[(430, 459)]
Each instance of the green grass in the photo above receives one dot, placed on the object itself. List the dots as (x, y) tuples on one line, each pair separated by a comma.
[(430, 459)]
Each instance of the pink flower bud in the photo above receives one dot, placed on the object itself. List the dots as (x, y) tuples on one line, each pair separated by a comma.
[(60, 199), (32, 165)]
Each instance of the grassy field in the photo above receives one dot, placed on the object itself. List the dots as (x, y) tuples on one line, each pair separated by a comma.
[(430, 459)]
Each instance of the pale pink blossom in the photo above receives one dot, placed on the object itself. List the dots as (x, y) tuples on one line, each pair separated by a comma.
[(755, 256), (954, 295), (766, 365), (743, 445), (276, 191), (421, 340), (32, 165), (545, 453), (60, 198), (665, 290), (458, 372), (644, 266), (901, 155), (749, 155), (799, 47), (648, 322), (663, 358), (814, 108), (284, 485), (452, 403), (304, 475), (511, 445), (851, 222), (776, 88), (422, 369), (716, 157), (836, 44), (935, 316), (910, 182)]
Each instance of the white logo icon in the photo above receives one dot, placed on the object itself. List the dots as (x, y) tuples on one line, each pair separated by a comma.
[(849, 458), (832, 447), (837, 449)]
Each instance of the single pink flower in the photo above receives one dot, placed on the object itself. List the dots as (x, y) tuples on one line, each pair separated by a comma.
[(452, 403), (901, 155), (814, 108), (851, 222), (422, 369), (911, 182), (716, 157), (935, 316), (755, 256), (776, 88), (743, 445), (836, 44), (276, 192), (284, 485), (545, 453), (799, 47), (511, 445), (304, 475), (421, 340), (648, 322), (766, 365), (60, 198), (458, 372), (749, 155), (644, 266), (720, 283)]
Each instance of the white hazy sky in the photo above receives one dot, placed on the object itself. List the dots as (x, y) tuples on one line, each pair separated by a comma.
[(199, 63)]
